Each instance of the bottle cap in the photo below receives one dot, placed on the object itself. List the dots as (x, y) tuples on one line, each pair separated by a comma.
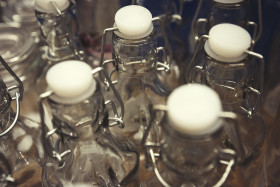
[(47, 7), (227, 42), (229, 1), (194, 109), (133, 22), (71, 81)]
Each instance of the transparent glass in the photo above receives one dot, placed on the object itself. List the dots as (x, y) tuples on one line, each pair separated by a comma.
[(232, 81), (191, 160), (235, 13), (98, 157), (21, 147), (20, 14), (60, 32), (137, 82), (20, 51)]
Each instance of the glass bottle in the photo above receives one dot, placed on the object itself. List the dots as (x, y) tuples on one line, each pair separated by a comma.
[(20, 147), (21, 51), (137, 63), (59, 30), (236, 12), (236, 74), (191, 149), (81, 148), (20, 14)]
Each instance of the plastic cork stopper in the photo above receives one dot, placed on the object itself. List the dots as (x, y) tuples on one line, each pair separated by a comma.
[(51, 6), (71, 81), (194, 109), (133, 22), (228, 41)]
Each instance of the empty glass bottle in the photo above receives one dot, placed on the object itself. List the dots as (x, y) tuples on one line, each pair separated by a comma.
[(236, 12), (236, 74), (20, 142), (81, 148), (191, 149), (137, 63), (59, 29)]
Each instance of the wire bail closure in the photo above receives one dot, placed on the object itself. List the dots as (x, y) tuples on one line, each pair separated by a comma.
[(47, 134), (18, 94), (251, 108), (161, 66), (150, 149)]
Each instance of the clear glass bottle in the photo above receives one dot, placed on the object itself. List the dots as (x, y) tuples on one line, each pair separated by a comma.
[(137, 63), (191, 149), (236, 74), (21, 51), (59, 30), (80, 146), (20, 14), (236, 12), (20, 139)]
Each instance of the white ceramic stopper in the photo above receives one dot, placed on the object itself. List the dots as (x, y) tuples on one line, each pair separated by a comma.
[(48, 7), (194, 109), (71, 81), (228, 1), (133, 22), (228, 40)]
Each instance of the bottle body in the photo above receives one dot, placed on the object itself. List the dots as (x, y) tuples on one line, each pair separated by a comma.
[(97, 156), (191, 161), (137, 82)]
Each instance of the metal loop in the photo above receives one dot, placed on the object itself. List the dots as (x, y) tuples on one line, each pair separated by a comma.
[(193, 24), (202, 40), (233, 117), (53, 3), (117, 95), (117, 120), (104, 42), (259, 92), (160, 19), (16, 117), (226, 173), (161, 180), (20, 84)]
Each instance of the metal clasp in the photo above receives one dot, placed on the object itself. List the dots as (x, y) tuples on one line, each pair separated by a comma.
[(252, 107), (18, 94), (118, 118), (52, 151)]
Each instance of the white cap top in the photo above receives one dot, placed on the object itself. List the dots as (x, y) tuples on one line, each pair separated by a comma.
[(133, 22), (228, 1), (228, 42), (71, 81), (46, 5), (194, 109)]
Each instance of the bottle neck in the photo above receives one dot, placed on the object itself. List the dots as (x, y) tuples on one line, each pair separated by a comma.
[(82, 119), (60, 32), (135, 57)]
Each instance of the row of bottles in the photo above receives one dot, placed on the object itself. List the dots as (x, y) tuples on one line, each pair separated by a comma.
[(126, 121)]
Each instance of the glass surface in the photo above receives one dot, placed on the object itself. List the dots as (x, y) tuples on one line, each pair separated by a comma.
[(98, 157), (21, 52), (21, 147), (138, 83), (191, 160), (235, 13)]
